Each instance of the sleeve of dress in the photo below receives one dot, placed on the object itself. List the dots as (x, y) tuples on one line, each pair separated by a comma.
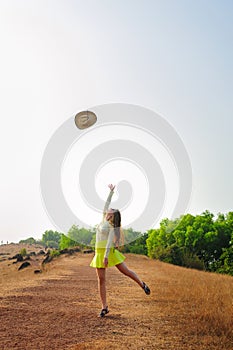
[(108, 201), (109, 242)]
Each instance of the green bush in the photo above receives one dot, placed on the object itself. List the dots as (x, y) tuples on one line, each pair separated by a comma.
[(51, 238), (54, 253), (23, 252), (137, 246), (29, 240), (193, 261), (52, 244), (194, 241), (66, 242), (225, 263)]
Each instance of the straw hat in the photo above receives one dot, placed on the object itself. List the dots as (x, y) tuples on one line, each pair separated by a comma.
[(85, 119)]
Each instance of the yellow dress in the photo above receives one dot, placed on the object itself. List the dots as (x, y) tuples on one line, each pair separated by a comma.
[(104, 246)]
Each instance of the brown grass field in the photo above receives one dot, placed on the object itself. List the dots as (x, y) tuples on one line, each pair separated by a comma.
[(58, 309)]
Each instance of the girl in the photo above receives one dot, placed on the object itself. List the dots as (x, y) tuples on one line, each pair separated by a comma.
[(109, 233)]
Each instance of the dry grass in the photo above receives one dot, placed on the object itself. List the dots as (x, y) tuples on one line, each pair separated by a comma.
[(187, 309), (204, 300)]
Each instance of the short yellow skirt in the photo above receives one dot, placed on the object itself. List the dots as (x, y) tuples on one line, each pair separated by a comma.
[(114, 258)]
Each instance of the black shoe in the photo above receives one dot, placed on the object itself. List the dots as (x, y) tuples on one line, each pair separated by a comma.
[(146, 288), (103, 312)]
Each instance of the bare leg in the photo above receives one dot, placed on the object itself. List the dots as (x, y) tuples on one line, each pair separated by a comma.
[(124, 269), (102, 286)]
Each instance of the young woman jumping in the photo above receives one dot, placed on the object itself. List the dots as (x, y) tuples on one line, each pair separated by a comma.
[(108, 235)]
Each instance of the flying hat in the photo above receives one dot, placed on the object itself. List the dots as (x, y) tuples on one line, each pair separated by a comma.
[(85, 119)]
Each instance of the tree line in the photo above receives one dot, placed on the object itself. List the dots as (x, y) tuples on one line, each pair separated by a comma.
[(191, 241), (195, 241)]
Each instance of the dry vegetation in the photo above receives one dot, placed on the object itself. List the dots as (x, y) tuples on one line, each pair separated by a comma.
[(58, 309), (203, 300)]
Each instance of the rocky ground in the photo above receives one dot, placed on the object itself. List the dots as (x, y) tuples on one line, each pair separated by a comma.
[(58, 308)]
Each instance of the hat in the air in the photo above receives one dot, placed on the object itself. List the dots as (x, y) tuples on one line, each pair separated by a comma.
[(85, 119)]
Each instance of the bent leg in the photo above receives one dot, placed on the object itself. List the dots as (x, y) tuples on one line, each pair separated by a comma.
[(102, 285), (124, 269)]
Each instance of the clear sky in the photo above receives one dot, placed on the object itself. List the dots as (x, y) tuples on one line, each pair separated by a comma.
[(61, 56)]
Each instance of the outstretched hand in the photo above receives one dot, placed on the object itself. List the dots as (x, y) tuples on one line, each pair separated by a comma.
[(111, 187)]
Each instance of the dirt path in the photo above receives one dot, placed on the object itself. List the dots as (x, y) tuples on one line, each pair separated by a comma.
[(59, 310)]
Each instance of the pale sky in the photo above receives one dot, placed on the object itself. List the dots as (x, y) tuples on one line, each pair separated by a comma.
[(59, 57)]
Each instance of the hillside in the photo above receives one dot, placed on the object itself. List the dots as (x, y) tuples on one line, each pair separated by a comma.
[(58, 308)]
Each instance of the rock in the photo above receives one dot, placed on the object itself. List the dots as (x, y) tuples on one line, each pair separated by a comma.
[(76, 249), (47, 259), (27, 257), (18, 257), (64, 251), (32, 253), (88, 251), (69, 251), (41, 252), (24, 265), (37, 271)]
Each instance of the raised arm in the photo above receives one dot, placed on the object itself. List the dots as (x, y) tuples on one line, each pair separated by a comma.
[(108, 201)]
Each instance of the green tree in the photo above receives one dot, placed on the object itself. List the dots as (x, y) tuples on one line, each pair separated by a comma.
[(51, 236), (130, 235), (194, 241), (52, 244), (81, 235), (225, 262), (66, 242), (137, 246), (29, 240), (152, 243)]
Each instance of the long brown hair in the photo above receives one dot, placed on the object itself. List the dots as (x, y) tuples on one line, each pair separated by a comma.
[(118, 231)]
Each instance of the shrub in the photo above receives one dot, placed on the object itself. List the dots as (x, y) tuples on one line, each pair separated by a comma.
[(193, 261), (52, 244), (53, 253), (23, 252), (29, 240), (66, 242)]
